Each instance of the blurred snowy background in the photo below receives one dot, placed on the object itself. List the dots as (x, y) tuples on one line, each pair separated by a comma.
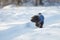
[(15, 23), (30, 2)]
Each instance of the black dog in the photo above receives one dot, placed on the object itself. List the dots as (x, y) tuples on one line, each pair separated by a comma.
[(36, 20)]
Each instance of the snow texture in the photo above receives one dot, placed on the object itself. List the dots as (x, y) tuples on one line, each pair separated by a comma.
[(15, 23)]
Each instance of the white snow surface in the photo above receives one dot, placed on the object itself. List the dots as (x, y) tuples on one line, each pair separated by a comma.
[(15, 23)]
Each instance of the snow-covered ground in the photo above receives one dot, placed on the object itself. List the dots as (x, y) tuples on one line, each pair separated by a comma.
[(15, 23)]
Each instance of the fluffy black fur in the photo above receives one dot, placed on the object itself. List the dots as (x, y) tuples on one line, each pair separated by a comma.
[(35, 18)]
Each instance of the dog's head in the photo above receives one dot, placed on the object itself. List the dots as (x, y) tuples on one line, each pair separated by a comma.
[(35, 18)]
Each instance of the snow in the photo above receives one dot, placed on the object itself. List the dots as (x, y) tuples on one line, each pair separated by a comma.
[(40, 34), (15, 23)]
